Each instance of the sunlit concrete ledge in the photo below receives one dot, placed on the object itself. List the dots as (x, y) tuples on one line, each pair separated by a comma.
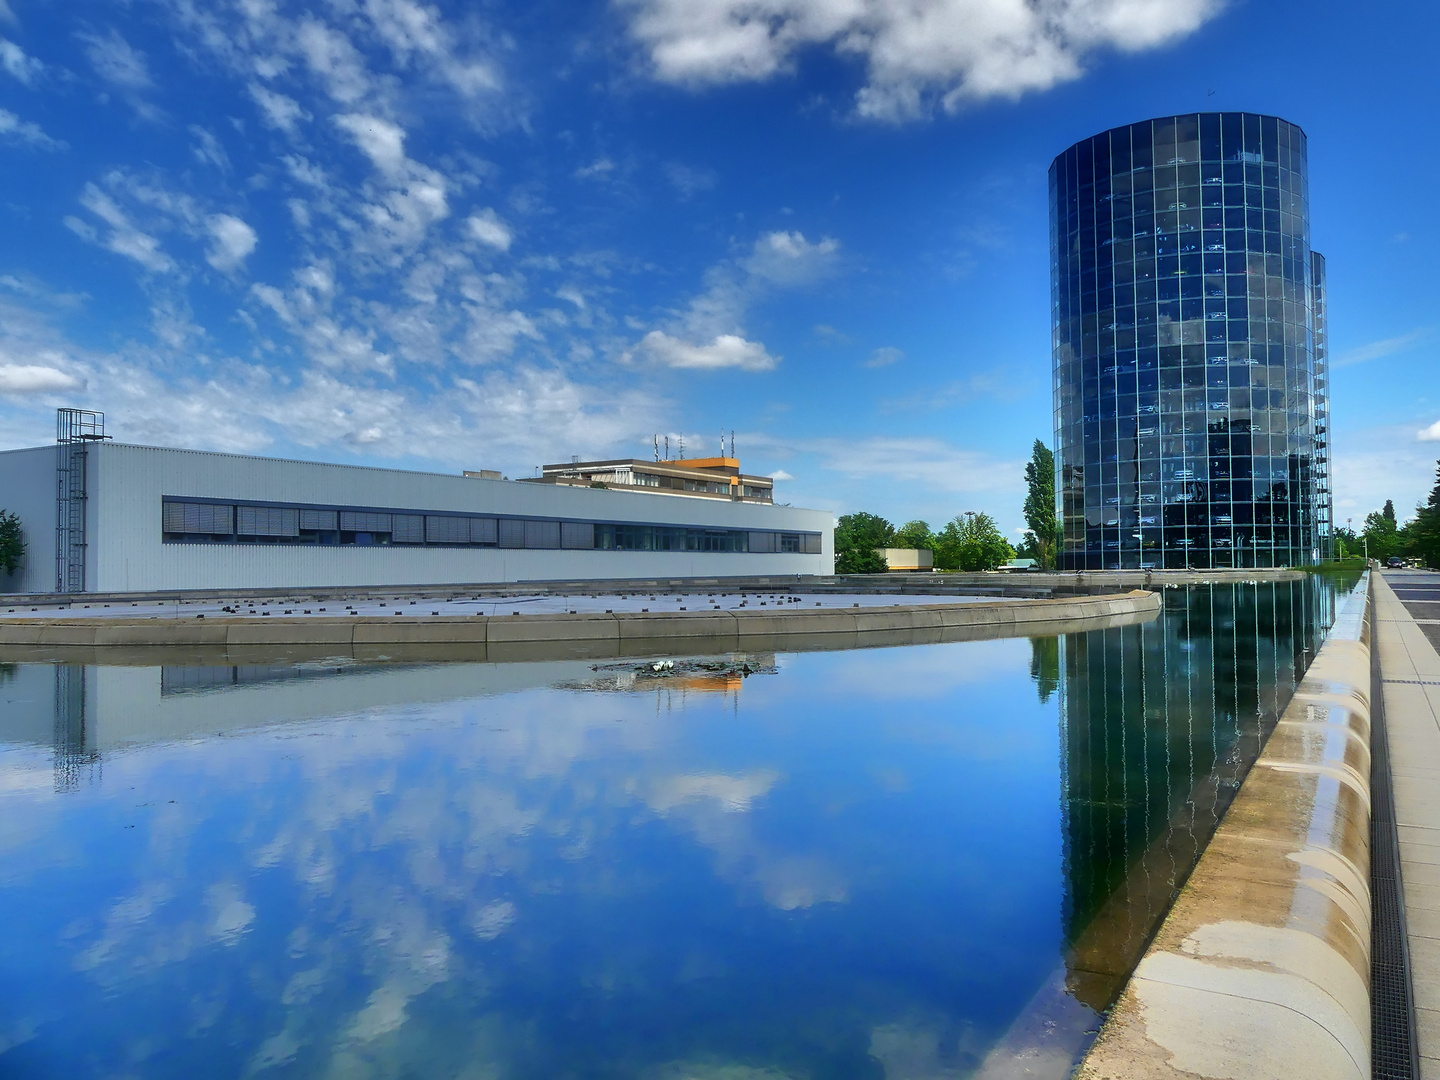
[(1262, 967), (715, 628)]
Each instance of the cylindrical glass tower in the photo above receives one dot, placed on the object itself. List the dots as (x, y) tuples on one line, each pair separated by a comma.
[(1190, 415)]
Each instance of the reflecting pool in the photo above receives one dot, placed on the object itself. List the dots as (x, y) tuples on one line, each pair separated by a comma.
[(918, 861)]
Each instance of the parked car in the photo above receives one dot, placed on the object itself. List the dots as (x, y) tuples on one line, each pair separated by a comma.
[(1396, 563)]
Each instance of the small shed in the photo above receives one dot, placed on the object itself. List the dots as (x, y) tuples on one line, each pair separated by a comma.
[(908, 560)]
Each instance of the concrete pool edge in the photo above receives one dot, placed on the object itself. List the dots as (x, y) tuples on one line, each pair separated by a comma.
[(1010, 617), (1262, 966)]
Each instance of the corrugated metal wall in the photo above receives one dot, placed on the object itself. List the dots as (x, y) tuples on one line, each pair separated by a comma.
[(27, 490)]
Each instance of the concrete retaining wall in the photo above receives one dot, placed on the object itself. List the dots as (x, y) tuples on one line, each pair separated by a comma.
[(716, 628), (1262, 967), (1033, 586)]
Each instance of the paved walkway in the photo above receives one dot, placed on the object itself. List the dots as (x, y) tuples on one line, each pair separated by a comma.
[(1410, 667)]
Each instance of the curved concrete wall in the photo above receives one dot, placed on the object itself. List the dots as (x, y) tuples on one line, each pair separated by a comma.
[(1262, 968), (603, 632)]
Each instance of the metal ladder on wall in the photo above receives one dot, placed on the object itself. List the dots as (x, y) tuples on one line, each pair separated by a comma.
[(75, 430)]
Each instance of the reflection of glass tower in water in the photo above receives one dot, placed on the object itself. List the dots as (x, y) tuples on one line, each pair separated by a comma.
[(1191, 391), (1160, 723)]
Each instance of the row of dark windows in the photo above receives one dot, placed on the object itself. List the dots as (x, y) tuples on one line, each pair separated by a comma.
[(184, 521), (1217, 334), (1241, 138), (1187, 287), (1147, 193), (1245, 558), (1077, 277)]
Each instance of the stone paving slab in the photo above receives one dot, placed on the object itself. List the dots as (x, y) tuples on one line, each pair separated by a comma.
[(1410, 674)]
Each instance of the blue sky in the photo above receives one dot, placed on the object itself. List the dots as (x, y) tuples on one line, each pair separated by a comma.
[(494, 235)]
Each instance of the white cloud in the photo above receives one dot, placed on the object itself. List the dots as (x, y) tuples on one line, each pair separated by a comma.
[(918, 54), (690, 181), (279, 112), (35, 379), (780, 474), (415, 195), (726, 351), (486, 226), (933, 463), (884, 357), (600, 167), (789, 260), (416, 33), (207, 149), (18, 64), (115, 61), (1375, 350), (333, 59), (231, 242), (12, 127), (123, 238), (380, 140), (709, 333), (1429, 434)]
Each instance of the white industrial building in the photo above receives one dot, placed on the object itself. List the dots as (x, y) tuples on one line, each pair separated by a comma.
[(100, 516)]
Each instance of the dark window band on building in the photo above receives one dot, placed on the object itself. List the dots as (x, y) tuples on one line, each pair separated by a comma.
[(190, 522)]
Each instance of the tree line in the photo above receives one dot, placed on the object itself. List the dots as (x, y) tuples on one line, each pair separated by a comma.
[(973, 541), (970, 541), (1385, 538)]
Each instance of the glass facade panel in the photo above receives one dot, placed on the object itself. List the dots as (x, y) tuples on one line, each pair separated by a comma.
[(1188, 327)]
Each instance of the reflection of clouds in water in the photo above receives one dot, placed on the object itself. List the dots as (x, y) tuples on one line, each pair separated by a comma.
[(929, 1048), (733, 793), (401, 830), (713, 806), (493, 920), (914, 672), (475, 862), (135, 941), (690, 1070)]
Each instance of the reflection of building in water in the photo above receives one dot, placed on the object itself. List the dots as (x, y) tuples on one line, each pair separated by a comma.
[(1159, 724), (83, 712), (713, 676)]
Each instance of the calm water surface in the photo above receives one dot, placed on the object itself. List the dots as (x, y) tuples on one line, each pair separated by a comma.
[(919, 861)]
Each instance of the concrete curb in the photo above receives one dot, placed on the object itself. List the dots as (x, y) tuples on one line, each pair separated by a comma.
[(99, 633), (1262, 967)]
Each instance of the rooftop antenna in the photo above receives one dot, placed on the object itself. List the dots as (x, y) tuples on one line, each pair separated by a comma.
[(682, 446), (732, 443), (722, 443), (667, 447), (657, 447)]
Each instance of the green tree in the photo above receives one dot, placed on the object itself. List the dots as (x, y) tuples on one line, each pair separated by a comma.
[(1380, 535), (858, 538), (1347, 544), (1425, 530), (914, 534), (1044, 535), (1045, 666), (12, 543), (971, 542)]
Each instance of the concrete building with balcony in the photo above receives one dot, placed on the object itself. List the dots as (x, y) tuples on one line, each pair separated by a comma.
[(705, 478)]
